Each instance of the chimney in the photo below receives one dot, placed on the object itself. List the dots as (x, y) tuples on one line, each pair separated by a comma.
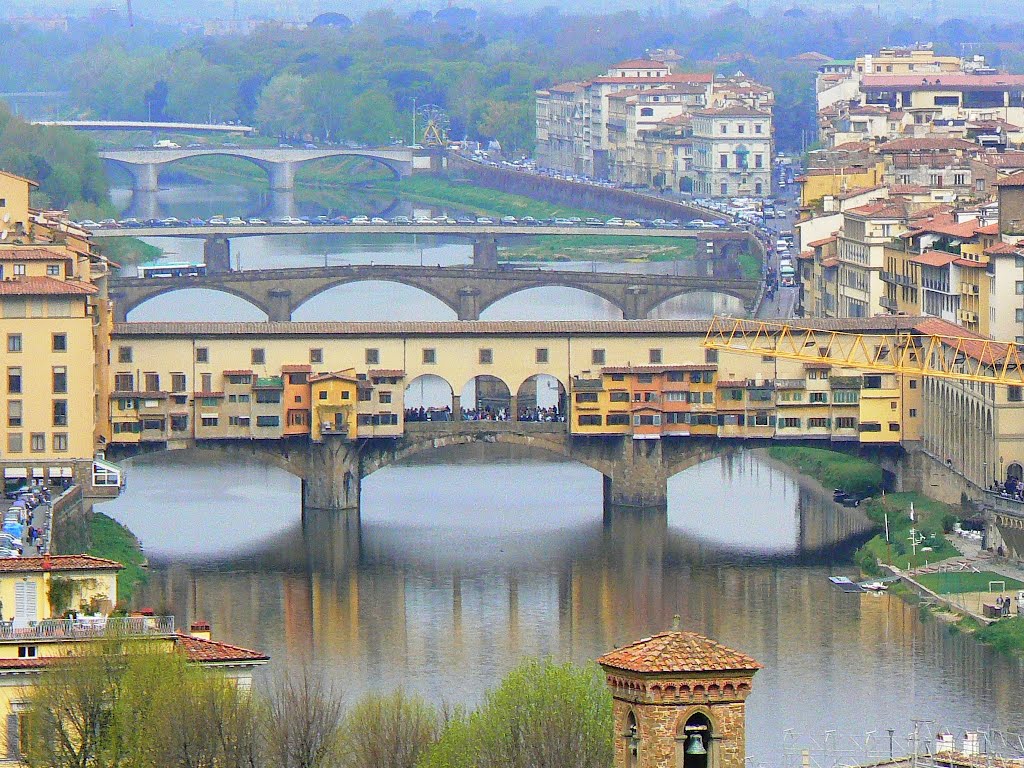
[(47, 564), (200, 630)]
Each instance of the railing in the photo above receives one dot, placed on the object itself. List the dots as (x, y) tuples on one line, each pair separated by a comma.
[(413, 428), (898, 279), (89, 627), (888, 303), (790, 384)]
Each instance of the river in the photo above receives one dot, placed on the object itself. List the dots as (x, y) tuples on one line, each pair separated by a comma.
[(468, 559)]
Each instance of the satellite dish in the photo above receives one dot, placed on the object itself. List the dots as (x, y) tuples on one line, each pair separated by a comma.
[(7, 217), (40, 219), (3, 235)]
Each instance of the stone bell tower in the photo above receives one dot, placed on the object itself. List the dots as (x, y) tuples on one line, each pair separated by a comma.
[(679, 702)]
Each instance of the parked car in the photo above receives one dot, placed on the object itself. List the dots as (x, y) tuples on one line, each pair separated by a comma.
[(484, 220), (360, 219)]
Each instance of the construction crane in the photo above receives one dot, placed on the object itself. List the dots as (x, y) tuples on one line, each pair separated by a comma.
[(905, 350)]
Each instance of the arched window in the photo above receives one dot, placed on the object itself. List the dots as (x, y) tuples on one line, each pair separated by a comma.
[(1015, 471), (633, 741), (646, 111), (693, 743)]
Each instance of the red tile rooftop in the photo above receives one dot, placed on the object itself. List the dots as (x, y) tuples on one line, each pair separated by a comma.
[(943, 81), (824, 241), (211, 651), (23, 253), (640, 64), (678, 652), (45, 286), (57, 563), (934, 258), (928, 144), (1013, 180)]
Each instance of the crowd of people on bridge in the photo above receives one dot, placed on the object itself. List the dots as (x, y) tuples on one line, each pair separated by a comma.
[(486, 413)]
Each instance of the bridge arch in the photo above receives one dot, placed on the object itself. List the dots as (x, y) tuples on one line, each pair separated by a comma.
[(426, 392), (123, 306), (541, 390), (554, 281), (424, 286), (486, 394)]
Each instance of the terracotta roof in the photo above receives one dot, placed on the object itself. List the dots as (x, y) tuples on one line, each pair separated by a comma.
[(210, 651), (385, 372), (58, 563), (971, 344), (1013, 180), (45, 286), (567, 87), (989, 229), (881, 209), (640, 64), (678, 652), (908, 189), (1009, 159), (154, 395), (932, 143), (16, 253), (970, 263), (1002, 247), (933, 258), (296, 368), (945, 224), (831, 262), (239, 372), (10, 175), (805, 255), (463, 328), (823, 241), (734, 111), (852, 146), (208, 394), (333, 375)]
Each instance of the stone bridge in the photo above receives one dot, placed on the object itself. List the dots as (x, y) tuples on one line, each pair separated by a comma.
[(467, 291), (279, 164)]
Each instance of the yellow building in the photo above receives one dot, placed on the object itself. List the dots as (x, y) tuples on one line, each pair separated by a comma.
[(818, 183), (335, 397), (27, 653), (33, 589), (14, 205)]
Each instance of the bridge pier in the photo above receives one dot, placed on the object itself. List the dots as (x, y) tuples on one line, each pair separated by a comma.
[(469, 304), (638, 478), (333, 476), (282, 175), (280, 309), (145, 176), (485, 253), (632, 308), (217, 254), (120, 302)]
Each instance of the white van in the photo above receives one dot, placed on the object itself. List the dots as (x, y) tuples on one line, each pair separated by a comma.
[(166, 144)]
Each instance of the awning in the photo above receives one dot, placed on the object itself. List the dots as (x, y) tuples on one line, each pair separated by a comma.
[(15, 472), (37, 472), (63, 472)]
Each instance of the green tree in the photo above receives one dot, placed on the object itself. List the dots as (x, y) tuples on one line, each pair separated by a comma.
[(327, 98), (281, 110), (371, 118), (198, 91), (390, 731), (542, 715), (511, 124)]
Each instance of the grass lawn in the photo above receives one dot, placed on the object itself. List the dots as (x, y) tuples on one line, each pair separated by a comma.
[(832, 468), (127, 251), (750, 266), (113, 541), (960, 582), (1006, 635), (932, 520)]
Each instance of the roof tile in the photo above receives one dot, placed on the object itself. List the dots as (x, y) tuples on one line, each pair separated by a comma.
[(678, 652)]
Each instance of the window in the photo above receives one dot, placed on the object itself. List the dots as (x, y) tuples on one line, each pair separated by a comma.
[(53, 270), (345, 394), (207, 379), (178, 382), (14, 442), (26, 651), (209, 421), (323, 394), (14, 342), (759, 161), (586, 397), (597, 357), (60, 413), (588, 420), (819, 397), (268, 396), (486, 356), (202, 355), (60, 379), (384, 397), (724, 189), (14, 413), (722, 128), (789, 422), (1015, 394), (179, 422), (259, 356), (654, 355), (913, 413), (37, 442), (617, 420), (60, 441), (846, 422), (647, 419), (872, 382), (723, 161), (817, 423), (124, 354), (208, 402), (645, 378), (373, 357), (741, 128), (846, 396), (19, 269), (870, 426), (646, 111), (268, 421), (710, 356), (542, 355), (14, 380), (894, 426), (913, 384), (429, 356), (757, 127), (618, 396), (152, 382)]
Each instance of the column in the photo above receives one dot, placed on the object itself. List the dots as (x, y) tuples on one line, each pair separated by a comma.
[(217, 254), (485, 253), (280, 309), (333, 475)]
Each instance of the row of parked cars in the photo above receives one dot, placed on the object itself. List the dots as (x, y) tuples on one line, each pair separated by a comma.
[(510, 221)]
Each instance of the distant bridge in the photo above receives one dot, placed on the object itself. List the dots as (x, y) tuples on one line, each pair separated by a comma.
[(467, 291), (279, 163), (144, 125)]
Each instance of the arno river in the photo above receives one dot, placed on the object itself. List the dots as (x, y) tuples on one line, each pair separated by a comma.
[(467, 560)]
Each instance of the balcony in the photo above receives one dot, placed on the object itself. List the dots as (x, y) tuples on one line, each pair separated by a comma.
[(847, 382), (89, 627), (896, 279), (968, 289), (888, 303), (790, 384)]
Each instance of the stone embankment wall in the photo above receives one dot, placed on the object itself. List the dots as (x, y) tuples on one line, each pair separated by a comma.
[(69, 525)]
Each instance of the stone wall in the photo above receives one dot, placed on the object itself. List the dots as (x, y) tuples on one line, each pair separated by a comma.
[(659, 726), (71, 516)]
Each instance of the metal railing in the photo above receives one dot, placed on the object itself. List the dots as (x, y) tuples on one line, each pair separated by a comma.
[(88, 627)]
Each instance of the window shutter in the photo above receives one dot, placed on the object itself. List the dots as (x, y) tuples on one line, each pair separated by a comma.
[(13, 745)]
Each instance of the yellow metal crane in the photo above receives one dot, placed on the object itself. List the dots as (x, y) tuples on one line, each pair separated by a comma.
[(904, 350)]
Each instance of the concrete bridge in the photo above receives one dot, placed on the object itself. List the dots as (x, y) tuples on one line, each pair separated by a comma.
[(467, 291), (280, 164), (144, 125)]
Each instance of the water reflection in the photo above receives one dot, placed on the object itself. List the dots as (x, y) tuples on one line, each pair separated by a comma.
[(464, 562)]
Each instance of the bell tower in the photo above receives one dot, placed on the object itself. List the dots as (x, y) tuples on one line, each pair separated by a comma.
[(679, 701)]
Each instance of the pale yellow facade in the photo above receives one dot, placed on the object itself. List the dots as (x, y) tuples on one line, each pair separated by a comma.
[(817, 183), (14, 204), (89, 591)]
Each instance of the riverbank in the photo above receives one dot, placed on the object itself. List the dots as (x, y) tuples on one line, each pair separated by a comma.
[(111, 540), (913, 542)]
